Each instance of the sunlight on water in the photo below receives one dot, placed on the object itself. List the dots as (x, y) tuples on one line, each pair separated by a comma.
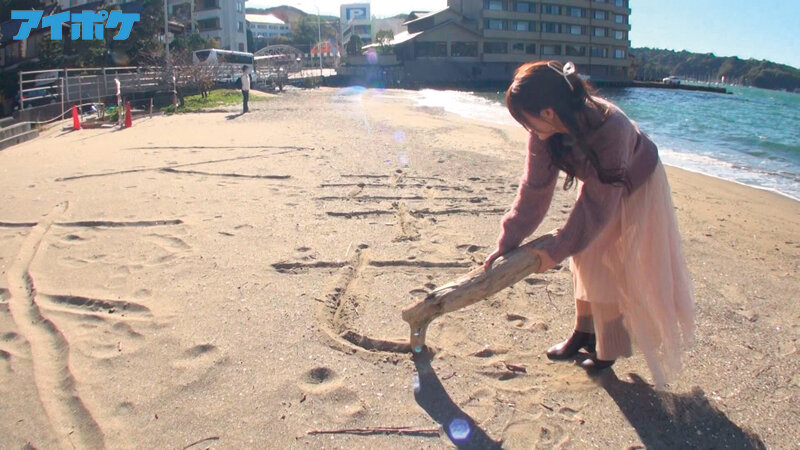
[(750, 137)]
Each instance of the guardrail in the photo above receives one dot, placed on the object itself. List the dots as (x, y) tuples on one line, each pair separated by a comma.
[(69, 86)]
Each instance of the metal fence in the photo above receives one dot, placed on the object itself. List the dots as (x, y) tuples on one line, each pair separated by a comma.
[(71, 86)]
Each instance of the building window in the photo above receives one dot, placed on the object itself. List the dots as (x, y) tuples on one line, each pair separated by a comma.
[(495, 5), (523, 7), (496, 24), (551, 50), (239, 6), (576, 12), (495, 47), (518, 47), (530, 49), (619, 34), (600, 32), (430, 49), (523, 25), (619, 3), (619, 18), (207, 4), (550, 27), (599, 52), (619, 53), (600, 15), (575, 50), (208, 24), (575, 29), (464, 49), (553, 10), (241, 27), (241, 47)]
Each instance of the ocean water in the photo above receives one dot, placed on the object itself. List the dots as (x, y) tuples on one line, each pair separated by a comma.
[(751, 136)]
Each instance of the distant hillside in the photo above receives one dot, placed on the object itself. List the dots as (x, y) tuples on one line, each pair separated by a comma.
[(655, 64)]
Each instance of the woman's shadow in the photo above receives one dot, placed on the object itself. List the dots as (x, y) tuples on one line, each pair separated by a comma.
[(431, 396), (661, 419), (666, 420)]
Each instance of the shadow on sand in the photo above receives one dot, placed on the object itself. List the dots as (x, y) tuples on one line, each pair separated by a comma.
[(666, 420), (431, 396), (662, 420)]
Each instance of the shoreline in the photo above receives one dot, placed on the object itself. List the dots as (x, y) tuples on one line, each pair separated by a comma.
[(685, 167)]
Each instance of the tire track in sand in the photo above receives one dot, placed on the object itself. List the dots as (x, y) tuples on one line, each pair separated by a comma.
[(71, 420)]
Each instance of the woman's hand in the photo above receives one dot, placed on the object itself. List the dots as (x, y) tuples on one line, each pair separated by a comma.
[(487, 264)]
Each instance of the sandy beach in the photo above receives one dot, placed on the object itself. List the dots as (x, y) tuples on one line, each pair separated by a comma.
[(213, 280)]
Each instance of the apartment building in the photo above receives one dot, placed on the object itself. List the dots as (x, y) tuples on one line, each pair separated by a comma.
[(267, 26), (474, 40), (223, 20)]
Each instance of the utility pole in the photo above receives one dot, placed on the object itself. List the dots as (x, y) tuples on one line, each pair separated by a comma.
[(170, 76), (319, 43)]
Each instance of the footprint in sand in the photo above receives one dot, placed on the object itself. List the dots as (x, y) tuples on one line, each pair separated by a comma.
[(535, 434), (523, 323), (12, 345), (470, 248), (320, 380), (196, 363), (328, 396)]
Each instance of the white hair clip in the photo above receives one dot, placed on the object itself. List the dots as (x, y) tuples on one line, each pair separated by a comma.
[(569, 69)]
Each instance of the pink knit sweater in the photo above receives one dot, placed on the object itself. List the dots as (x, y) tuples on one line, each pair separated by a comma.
[(618, 143)]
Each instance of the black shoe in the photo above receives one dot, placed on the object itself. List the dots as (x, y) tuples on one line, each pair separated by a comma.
[(571, 346), (594, 365)]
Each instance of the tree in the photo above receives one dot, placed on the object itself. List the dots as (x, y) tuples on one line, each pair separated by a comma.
[(306, 32), (6, 6), (143, 47), (384, 38), (190, 76), (354, 45), (51, 52)]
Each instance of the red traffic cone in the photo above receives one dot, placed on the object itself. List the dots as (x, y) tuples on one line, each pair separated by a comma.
[(76, 120), (128, 118)]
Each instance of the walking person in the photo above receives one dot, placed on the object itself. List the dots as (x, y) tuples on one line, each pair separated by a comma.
[(631, 283)]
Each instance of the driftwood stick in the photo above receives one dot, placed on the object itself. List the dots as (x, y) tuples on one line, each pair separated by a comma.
[(471, 288), (408, 431)]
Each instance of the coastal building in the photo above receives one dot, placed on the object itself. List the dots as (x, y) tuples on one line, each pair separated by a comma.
[(486, 40), (267, 26), (288, 14), (223, 20)]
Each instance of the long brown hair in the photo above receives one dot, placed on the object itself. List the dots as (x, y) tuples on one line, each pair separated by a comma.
[(542, 84)]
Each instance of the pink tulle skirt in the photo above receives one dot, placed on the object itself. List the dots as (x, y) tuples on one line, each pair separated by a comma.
[(637, 265)]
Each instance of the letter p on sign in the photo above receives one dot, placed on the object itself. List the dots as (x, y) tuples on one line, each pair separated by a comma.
[(357, 13)]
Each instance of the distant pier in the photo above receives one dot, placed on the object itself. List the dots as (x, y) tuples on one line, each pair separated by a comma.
[(659, 85)]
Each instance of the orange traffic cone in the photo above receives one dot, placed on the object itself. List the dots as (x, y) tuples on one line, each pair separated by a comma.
[(76, 121), (128, 118)]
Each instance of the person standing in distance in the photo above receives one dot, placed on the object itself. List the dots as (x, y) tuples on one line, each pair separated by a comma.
[(243, 83)]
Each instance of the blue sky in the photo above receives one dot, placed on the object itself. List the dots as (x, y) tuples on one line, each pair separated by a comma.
[(766, 29)]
